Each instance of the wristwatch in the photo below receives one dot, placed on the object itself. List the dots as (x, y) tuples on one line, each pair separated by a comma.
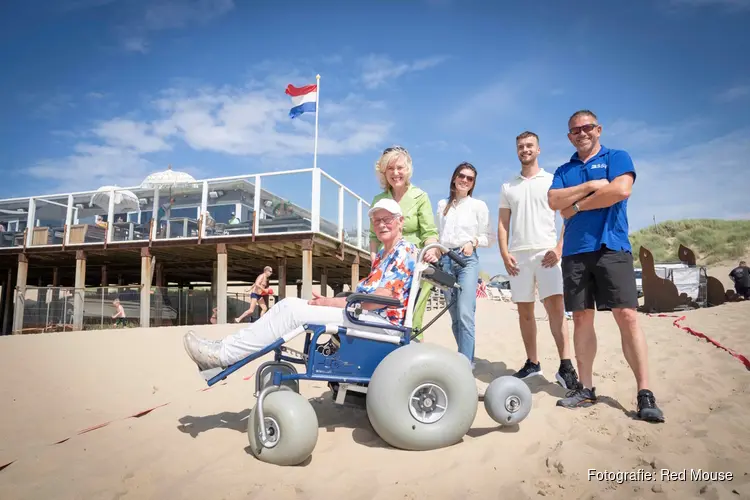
[(576, 208)]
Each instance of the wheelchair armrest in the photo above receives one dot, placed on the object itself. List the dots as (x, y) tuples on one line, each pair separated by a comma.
[(373, 299)]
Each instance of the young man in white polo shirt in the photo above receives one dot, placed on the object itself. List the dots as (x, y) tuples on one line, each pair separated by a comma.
[(533, 258)]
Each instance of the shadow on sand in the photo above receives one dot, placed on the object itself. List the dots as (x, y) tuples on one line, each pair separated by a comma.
[(225, 420), (487, 371), (330, 417), (354, 416)]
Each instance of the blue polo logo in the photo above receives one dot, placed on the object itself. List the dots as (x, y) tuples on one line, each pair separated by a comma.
[(598, 165)]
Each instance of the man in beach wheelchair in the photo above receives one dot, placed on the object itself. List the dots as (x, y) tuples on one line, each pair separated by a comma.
[(419, 396)]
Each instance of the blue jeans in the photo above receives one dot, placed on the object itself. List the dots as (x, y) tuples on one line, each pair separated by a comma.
[(462, 312)]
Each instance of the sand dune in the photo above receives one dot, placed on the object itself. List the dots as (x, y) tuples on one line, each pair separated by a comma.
[(56, 385)]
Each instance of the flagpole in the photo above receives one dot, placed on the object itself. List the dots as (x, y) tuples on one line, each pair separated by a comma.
[(317, 112)]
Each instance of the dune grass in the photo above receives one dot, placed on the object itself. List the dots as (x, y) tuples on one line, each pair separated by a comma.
[(712, 240)]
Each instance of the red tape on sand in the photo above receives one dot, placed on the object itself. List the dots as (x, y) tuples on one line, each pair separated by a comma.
[(104, 424), (743, 359)]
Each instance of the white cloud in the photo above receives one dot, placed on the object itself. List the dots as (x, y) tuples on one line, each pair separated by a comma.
[(377, 70), (91, 166), (130, 135), (256, 122), (178, 14), (501, 97), (135, 44), (444, 145), (734, 93), (233, 121), (635, 134), (160, 15), (506, 96), (703, 180), (47, 106)]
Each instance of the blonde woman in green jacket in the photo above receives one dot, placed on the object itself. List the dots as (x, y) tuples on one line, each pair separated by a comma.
[(394, 171)]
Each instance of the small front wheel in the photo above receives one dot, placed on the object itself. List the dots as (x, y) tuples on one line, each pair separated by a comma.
[(508, 400), (291, 426)]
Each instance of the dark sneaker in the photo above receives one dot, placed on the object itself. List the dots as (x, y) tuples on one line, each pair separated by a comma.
[(529, 370), (567, 377), (647, 409), (578, 397)]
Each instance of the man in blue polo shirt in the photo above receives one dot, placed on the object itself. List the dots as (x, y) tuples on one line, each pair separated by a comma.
[(591, 191)]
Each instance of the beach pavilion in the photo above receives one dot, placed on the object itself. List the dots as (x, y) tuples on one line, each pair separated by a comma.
[(174, 231)]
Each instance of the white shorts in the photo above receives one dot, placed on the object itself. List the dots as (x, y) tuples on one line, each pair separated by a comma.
[(531, 272)]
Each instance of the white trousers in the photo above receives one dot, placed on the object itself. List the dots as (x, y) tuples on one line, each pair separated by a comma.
[(282, 318)]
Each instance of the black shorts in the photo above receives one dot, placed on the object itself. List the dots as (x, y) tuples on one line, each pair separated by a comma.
[(605, 278)]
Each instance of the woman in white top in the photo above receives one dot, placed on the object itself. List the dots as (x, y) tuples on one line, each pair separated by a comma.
[(463, 223)]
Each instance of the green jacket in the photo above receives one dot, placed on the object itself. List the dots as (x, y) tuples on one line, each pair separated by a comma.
[(419, 221)]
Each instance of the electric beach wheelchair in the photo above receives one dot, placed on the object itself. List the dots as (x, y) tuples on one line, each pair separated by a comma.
[(418, 396)]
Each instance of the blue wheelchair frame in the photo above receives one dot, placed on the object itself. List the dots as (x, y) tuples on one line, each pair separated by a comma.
[(360, 352)]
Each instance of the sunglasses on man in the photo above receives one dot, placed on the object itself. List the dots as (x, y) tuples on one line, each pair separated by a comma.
[(585, 128)]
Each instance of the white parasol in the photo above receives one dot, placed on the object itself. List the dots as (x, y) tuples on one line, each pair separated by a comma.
[(125, 201), (172, 180)]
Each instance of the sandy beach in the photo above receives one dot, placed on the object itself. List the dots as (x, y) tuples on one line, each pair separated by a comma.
[(57, 385)]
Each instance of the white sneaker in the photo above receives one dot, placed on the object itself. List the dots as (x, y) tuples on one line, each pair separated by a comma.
[(205, 353)]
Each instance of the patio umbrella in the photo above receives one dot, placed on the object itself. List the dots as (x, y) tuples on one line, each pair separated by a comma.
[(125, 201), (172, 180)]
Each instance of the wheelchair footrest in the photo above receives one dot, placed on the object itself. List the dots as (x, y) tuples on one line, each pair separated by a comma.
[(353, 394), (210, 373)]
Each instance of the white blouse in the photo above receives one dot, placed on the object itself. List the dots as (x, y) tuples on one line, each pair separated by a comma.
[(466, 221)]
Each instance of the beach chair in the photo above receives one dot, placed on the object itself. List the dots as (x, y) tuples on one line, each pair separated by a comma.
[(419, 396)]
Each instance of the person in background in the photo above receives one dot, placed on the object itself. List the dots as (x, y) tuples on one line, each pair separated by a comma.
[(394, 171), (162, 217), (740, 275), (256, 294), (481, 289), (463, 225), (119, 316), (591, 191), (532, 259), (233, 219)]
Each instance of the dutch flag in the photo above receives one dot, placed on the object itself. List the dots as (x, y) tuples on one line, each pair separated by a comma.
[(304, 99)]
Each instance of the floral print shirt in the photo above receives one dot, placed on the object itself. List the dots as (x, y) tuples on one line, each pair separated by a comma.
[(393, 271)]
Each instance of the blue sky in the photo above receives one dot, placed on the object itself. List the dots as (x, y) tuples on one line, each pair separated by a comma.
[(97, 92)]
